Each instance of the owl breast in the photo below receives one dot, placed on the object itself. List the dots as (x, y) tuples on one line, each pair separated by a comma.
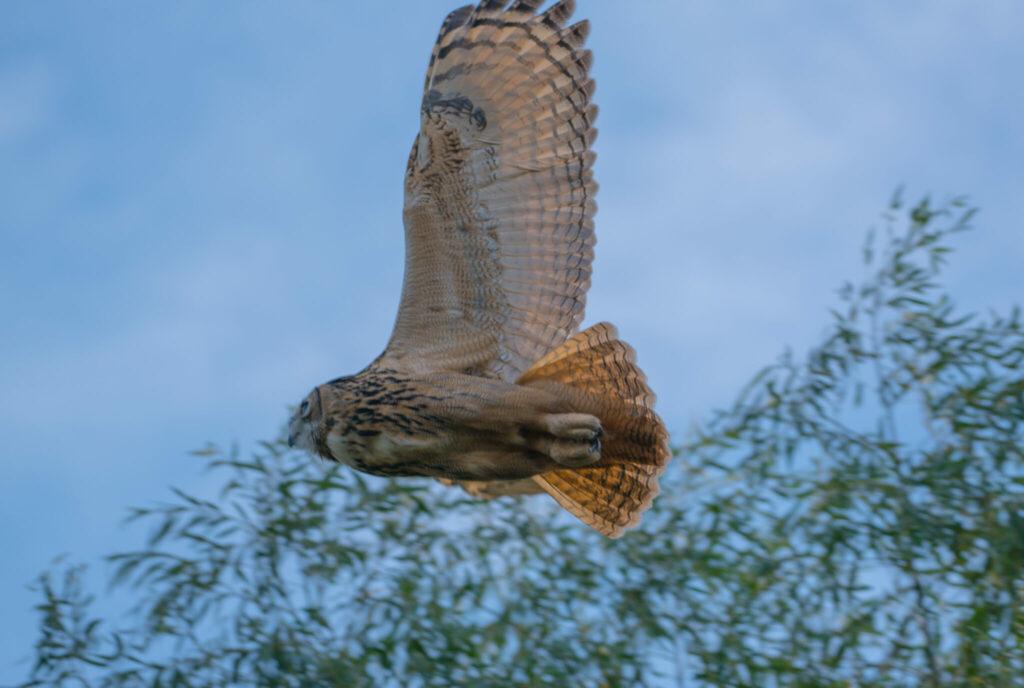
[(387, 453)]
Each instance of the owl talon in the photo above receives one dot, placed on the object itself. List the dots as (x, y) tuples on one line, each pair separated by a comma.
[(573, 426), (575, 453)]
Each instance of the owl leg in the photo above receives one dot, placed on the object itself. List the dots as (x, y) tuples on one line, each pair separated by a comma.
[(570, 439)]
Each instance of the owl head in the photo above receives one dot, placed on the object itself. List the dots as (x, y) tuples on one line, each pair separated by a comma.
[(305, 429)]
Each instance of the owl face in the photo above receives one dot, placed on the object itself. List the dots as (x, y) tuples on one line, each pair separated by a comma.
[(304, 426)]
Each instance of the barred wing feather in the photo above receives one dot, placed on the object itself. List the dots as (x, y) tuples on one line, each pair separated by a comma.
[(499, 193)]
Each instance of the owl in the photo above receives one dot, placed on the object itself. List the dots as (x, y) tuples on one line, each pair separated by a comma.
[(487, 382)]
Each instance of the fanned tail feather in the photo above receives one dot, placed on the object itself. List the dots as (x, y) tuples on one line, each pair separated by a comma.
[(603, 379)]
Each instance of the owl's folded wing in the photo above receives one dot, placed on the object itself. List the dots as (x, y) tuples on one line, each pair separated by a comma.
[(489, 489), (499, 193)]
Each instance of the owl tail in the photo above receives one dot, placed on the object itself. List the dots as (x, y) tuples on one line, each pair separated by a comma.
[(604, 380)]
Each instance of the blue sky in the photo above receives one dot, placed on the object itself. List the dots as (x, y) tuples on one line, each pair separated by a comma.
[(200, 213)]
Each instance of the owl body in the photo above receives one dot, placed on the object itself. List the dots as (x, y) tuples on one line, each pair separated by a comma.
[(442, 425), (487, 380)]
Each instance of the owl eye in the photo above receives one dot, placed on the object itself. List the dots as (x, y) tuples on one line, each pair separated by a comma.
[(304, 409)]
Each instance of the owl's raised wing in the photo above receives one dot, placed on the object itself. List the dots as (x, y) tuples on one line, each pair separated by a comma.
[(499, 193)]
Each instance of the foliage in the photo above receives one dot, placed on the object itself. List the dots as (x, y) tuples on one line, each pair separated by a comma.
[(856, 518)]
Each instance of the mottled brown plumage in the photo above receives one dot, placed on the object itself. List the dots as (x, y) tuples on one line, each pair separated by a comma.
[(486, 381)]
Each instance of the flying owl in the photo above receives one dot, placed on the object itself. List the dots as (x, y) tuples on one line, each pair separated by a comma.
[(486, 382)]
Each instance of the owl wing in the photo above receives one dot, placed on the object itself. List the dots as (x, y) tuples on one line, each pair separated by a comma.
[(499, 193), (489, 489)]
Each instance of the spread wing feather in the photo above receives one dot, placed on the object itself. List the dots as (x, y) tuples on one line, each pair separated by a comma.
[(499, 193)]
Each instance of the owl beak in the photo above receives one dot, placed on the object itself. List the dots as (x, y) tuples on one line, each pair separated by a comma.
[(291, 440)]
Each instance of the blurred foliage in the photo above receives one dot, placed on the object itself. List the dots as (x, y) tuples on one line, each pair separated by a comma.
[(856, 518)]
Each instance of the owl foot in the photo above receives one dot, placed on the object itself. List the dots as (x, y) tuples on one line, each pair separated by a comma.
[(572, 426), (577, 438), (575, 453)]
